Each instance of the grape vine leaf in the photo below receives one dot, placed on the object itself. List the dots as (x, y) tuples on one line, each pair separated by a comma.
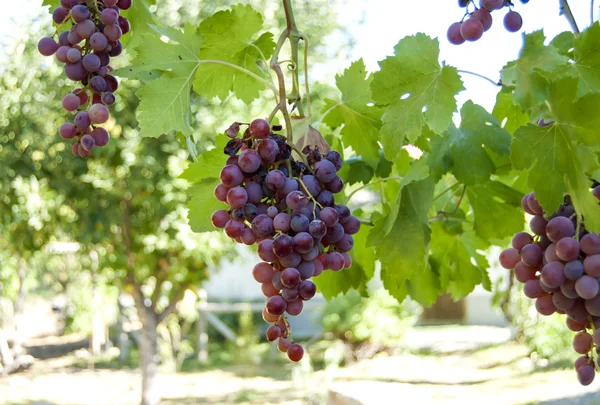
[(209, 163), (165, 101), (564, 42), (586, 61), (530, 88), (467, 146), (141, 19), (355, 112), (417, 91), (552, 156), (51, 3), (402, 248), (201, 205), (451, 259), (506, 109), (496, 209), (228, 42)]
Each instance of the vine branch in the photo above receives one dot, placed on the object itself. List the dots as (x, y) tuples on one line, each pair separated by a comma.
[(565, 10), (498, 83)]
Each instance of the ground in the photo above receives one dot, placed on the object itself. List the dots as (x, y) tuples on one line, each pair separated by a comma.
[(455, 365)]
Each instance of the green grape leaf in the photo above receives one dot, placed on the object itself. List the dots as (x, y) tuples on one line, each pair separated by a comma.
[(51, 3), (209, 163), (355, 113), (564, 42), (451, 259), (586, 65), (141, 21), (229, 53), (402, 250), (530, 88), (555, 168), (505, 109), (417, 89), (424, 287), (165, 101), (333, 283), (471, 163), (496, 210), (358, 172), (202, 204)]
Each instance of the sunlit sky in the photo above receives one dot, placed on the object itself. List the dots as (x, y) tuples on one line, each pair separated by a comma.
[(377, 25)]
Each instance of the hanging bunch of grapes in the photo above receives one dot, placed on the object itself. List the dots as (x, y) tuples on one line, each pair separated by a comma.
[(287, 207), (559, 266), (93, 37), (480, 20)]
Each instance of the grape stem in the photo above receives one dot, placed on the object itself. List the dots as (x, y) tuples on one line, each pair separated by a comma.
[(444, 213), (369, 185), (565, 10), (445, 191), (309, 194), (303, 157), (498, 83)]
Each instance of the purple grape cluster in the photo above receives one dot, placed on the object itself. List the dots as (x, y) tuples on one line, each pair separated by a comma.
[(286, 207), (480, 20), (86, 48), (559, 266)]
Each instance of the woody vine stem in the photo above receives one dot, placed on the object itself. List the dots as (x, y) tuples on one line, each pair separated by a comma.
[(293, 35)]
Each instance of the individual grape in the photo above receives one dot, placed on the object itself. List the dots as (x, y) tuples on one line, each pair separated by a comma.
[(567, 249), (568, 289), (289, 186), (525, 205), (303, 242), (345, 244), (116, 50), (98, 84), (61, 53), (591, 265), (553, 274), (124, 4), (231, 176), (111, 82), (307, 289), (335, 261), (248, 237), (561, 301), (587, 287), (73, 37), (98, 113), (509, 258), (250, 211), (311, 255), (67, 130), (273, 333), (254, 191), (524, 272), (583, 360), (113, 32), (60, 14), (538, 225), (81, 151), (283, 344), (544, 305), (334, 234), (534, 204), (73, 55), (275, 179), (82, 120), (265, 250), (220, 219), (237, 197), (276, 305), (70, 102), (532, 289), (87, 142), (306, 269), (317, 228), (593, 305), (282, 222), (343, 213), (109, 16), (582, 342), (318, 267), (283, 245), (221, 192), (259, 128), (86, 28), (289, 294), (491, 4), (108, 98), (329, 216), (335, 158), (311, 185), (335, 186), (80, 13), (75, 149), (471, 29), (63, 39), (268, 150), (234, 228), (325, 171), (518, 241), (295, 352), (596, 192), (575, 326), (484, 16), (454, 35), (558, 228), (347, 260), (573, 270), (249, 160), (296, 200), (47, 46), (276, 280), (290, 277), (590, 244), (585, 374), (98, 40), (91, 62), (550, 253), (124, 24), (262, 225), (326, 198), (513, 21)]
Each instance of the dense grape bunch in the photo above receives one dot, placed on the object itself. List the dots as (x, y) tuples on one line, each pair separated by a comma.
[(91, 36), (559, 266), (475, 23), (287, 207)]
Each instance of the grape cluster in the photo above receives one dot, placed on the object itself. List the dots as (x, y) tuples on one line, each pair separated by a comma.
[(286, 207), (560, 268), (480, 20), (85, 48)]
